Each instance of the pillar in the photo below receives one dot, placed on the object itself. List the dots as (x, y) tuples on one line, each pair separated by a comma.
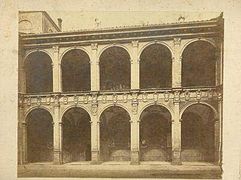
[(57, 134), (24, 143), (218, 136), (20, 135), (176, 64), (57, 82), (22, 80), (95, 138), (135, 69), (135, 150), (94, 68), (176, 136)]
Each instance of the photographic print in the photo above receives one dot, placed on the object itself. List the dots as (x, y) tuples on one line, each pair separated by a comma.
[(120, 94)]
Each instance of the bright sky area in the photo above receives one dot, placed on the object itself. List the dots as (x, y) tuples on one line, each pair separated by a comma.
[(73, 20)]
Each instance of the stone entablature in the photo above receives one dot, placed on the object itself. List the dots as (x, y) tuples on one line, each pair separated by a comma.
[(211, 28)]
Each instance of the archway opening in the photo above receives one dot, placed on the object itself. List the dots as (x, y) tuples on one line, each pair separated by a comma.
[(198, 133), (75, 71), (155, 134), (198, 64), (156, 67), (115, 135), (39, 136), (76, 135), (38, 71), (115, 71)]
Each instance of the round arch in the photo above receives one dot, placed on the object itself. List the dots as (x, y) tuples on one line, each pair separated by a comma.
[(199, 64), (194, 103), (75, 70), (158, 104), (115, 135), (111, 46), (115, 105), (196, 40), (198, 132), (153, 43), (37, 51), (76, 131), (115, 69), (38, 72), (155, 133), (158, 58), (39, 135), (37, 107), (74, 106), (74, 48)]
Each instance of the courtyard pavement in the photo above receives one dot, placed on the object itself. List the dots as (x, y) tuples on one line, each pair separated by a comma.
[(122, 170)]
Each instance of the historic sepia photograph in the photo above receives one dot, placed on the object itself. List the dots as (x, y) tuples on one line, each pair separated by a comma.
[(120, 94)]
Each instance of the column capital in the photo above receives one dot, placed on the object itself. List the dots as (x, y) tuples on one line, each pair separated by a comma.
[(94, 46), (56, 49), (135, 43), (177, 41)]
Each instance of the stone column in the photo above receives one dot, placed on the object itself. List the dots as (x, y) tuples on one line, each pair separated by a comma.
[(176, 135), (218, 135), (95, 137), (95, 152), (24, 143), (135, 141), (20, 133), (57, 133), (176, 64), (57, 82), (135, 69), (94, 68), (22, 80), (216, 140), (135, 131)]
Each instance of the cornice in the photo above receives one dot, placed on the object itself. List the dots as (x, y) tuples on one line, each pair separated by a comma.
[(209, 28)]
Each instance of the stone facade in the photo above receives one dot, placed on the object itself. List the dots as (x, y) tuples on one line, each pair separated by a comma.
[(175, 99)]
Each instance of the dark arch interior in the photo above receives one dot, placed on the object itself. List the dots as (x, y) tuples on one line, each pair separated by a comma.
[(198, 134), (115, 135), (76, 135), (155, 134), (115, 69), (198, 64), (39, 136), (156, 67), (75, 71), (39, 77)]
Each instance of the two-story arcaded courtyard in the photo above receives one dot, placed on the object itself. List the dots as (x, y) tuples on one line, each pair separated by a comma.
[(138, 93)]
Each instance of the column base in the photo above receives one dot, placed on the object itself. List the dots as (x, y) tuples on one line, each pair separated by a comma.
[(135, 158), (95, 157), (58, 158), (176, 158)]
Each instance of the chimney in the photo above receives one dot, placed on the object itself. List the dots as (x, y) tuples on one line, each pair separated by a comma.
[(60, 23)]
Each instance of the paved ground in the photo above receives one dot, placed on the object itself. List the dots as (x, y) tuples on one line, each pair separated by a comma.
[(121, 170)]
